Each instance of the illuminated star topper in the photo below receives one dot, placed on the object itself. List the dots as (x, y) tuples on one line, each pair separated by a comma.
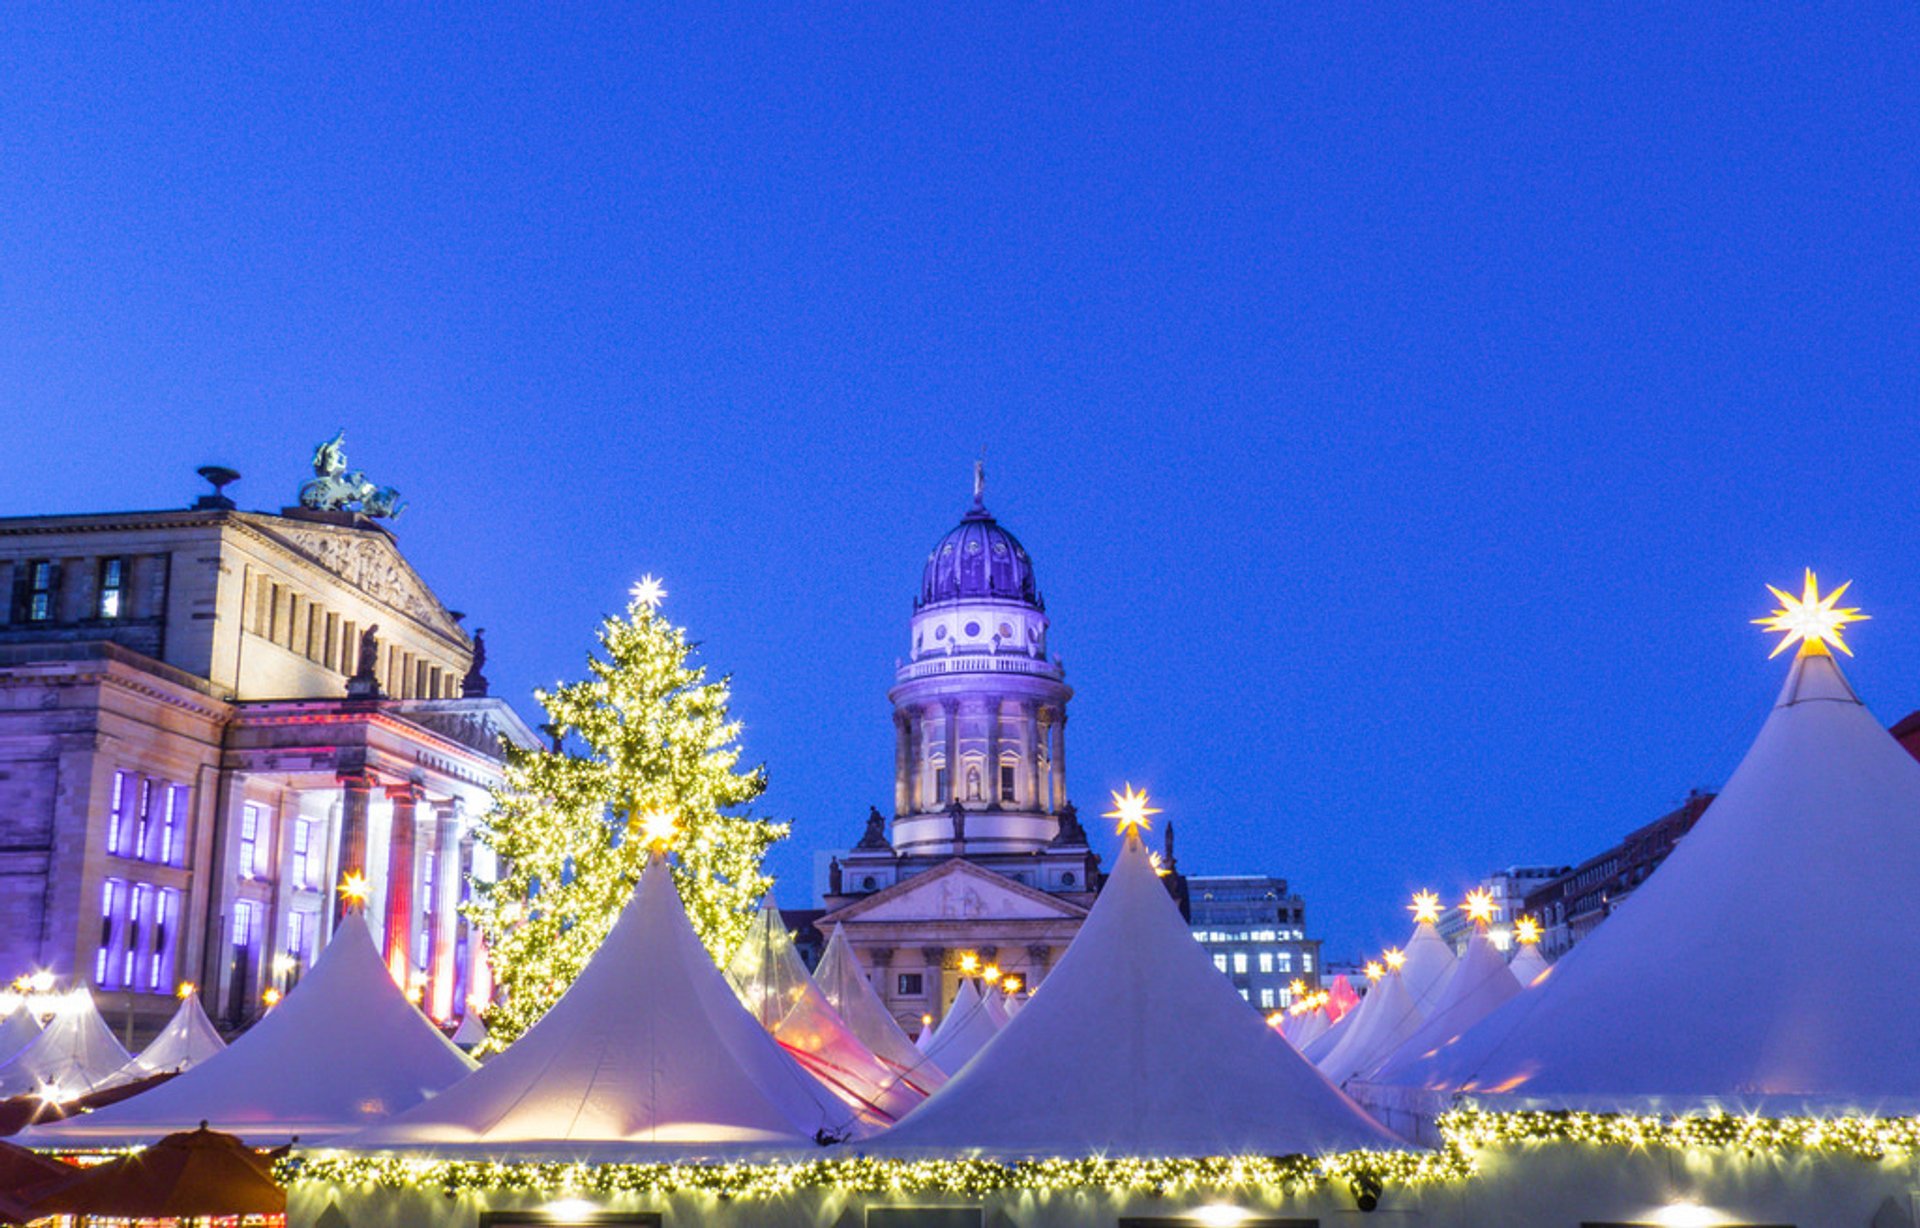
[(353, 889), (1526, 931), (1810, 620), (1132, 811), (649, 592), (1479, 906), (1375, 970), (1425, 907), (657, 829), (1395, 958)]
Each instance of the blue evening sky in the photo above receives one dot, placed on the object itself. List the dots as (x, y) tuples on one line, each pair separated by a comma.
[(1404, 408)]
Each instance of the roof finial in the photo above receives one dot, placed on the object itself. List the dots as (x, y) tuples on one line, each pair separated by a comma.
[(980, 481)]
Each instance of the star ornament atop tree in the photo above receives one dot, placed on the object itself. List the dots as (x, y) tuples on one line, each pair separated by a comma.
[(645, 756)]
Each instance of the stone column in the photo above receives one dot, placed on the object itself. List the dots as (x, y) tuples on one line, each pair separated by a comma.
[(952, 708), (1030, 754), (356, 789), (934, 981), (902, 764), (1039, 961), (398, 947), (993, 753), (1059, 759), (466, 987), (446, 904)]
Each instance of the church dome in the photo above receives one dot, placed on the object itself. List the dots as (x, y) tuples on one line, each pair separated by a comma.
[(978, 559)]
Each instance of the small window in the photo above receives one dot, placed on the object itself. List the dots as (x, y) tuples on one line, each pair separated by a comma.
[(1220, 960), (253, 823), (39, 603), (910, 985), (1239, 961), (1306, 961), (973, 629), (113, 586), (1266, 999), (1006, 782), (306, 866), (1266, 961), (1283, 961)]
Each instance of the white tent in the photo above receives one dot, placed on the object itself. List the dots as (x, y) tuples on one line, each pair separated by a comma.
[(1382, 1022), (187, 1040), (74, 1054), (649, 1045), (345, 1048), (1137, 1047), (1527, 964), (17, 1031), (1323, 1044), (996, 1003), (1306, 1027), (472, 1032), (1695, 991), (841, 978), (964, 1031), (773, 983), (1429, 962), (1478, 984)]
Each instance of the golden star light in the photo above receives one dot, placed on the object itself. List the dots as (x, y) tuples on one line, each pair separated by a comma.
[(1425, 907), (353, 889), (1375, 970), (649, 592), (1526, 931), (1479, 906), (1132, 811), (1810, 620), (657, 829), (1395, 958)]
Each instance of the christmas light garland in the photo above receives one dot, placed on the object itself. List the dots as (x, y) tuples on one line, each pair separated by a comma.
[(1464, 1131)]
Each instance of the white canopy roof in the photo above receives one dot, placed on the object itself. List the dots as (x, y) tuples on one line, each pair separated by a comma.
[(774, 985), (17, 1031), (1306, 1027), (344, 1048), (964, 1031), (472, 1032), (1696, 991), (1429, 962), (1527, 964), (1477, 985), (1135, 1046), (188, 1039), (649, 1045), (1382, 1022), (74, 1054), (1323, 1044), (845, 983)]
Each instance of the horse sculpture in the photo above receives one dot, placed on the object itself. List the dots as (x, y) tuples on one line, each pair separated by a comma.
[(334, 489)]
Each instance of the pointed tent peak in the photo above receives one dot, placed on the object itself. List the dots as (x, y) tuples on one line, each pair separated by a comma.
[(1131, 811), (1425, 907), (1812, 621), (1815, 676), (188, 1039)]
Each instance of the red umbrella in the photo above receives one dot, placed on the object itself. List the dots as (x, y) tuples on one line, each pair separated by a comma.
[(24, 1174), (194, 1173)]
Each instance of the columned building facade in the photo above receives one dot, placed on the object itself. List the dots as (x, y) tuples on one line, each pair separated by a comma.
[(208, 719), (985, 854)]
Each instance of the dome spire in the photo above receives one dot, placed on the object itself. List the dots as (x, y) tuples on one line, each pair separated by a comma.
[(980, 483)]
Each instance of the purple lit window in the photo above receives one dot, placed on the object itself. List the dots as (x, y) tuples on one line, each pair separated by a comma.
[(137, 924), (173, 836), (160, 939), (120, 816), (305, 870), (113, 933), (143, 821), (253, 820)]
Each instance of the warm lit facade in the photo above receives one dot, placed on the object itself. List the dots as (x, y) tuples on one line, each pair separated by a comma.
[(184, 776)]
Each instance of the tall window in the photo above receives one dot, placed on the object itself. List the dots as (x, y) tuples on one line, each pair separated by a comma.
[(253, 826), (301, 928), (148, 819), (1220, 960), (1266, 961), (173, 835), (1006, 782), (246, 923), (110, 958), (160, 929), (1239, 961), (306, 863), (41, 574), (120, 821), (113, 586)]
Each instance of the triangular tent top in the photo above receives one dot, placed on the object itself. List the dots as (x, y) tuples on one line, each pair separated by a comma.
[(343, 1050), (76, 1053), (17, 1031), (774, 984), (965, 1029), (1527, 964), (1479, 983), (1382, 1022), (187, 1040), (1694, 992), (472, 1032), (1323, 1044), (649, 1045), (1429, 961), (1137, 1046), (845, 983)]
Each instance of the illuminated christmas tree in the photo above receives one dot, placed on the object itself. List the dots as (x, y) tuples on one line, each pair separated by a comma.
[(645, 738)]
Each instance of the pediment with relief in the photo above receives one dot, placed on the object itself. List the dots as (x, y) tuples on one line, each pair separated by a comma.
[(959, 891), (370, 563)]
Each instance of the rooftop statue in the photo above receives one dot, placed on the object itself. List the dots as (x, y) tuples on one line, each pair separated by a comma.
[(333, 489)]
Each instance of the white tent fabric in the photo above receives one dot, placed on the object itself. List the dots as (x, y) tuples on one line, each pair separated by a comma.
[(1323, 1044), (996, 1002), (649, 1045), (345, 1048), (1694, 992), (1478, 984), (845, 983), (1383, 1021), (1308, 1026), (188, 1039), (1527, 964), (1136, 1047), (74, 1054), (965, 1030), (773, 983), (1429, 962), (17, 1031), (472, 1032)]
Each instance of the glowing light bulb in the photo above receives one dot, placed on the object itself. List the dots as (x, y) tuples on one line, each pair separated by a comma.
[(1425, 907), (1810, 620), (1131, 810)]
